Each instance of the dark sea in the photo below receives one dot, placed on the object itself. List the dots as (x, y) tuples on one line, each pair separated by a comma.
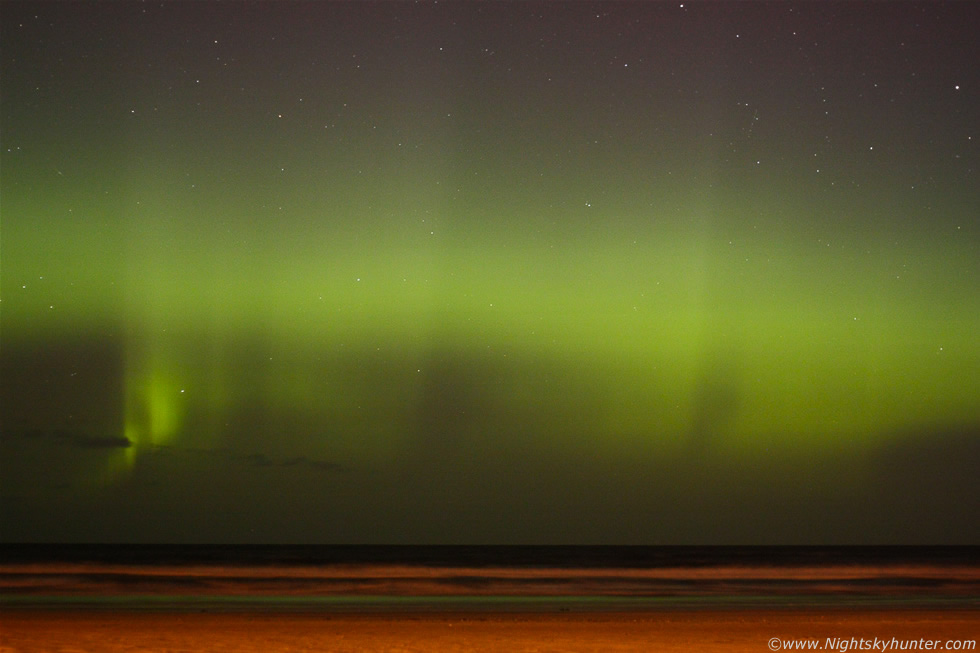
[(549, 578)]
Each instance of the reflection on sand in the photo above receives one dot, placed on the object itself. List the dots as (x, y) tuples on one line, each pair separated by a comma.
[(709, 631)]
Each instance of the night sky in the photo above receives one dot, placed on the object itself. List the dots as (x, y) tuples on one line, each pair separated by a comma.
[(629, 273)]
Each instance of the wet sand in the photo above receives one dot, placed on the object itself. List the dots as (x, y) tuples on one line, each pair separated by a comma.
[(25, 630)]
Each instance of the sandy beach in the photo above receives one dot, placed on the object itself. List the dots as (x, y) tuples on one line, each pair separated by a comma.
[(28, 630)]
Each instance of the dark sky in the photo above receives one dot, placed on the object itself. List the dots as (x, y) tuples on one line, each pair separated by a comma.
[(564, 272)]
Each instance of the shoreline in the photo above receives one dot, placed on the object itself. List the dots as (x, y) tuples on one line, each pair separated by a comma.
[(435, 604)]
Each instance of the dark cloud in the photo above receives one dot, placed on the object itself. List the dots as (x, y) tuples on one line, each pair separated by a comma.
[(316, 465), (258, 459), (70, 438), (101, 442), (716, 401)]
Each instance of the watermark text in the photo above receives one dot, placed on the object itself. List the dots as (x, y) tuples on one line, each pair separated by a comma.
[(843, 644)]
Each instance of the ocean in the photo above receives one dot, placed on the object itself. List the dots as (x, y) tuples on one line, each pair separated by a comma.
[(501, 578)]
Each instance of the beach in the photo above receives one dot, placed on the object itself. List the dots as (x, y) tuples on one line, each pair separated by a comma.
[(76, 631), (124, 599)]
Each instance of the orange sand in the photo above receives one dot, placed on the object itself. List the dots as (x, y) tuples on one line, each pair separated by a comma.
[(24, 630)]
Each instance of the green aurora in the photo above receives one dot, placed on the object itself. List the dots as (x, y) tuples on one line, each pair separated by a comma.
[(379, 289)]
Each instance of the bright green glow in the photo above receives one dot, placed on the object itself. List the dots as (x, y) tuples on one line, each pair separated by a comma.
[(630, 341), (625, 340), (651, 340), (153, 407)]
